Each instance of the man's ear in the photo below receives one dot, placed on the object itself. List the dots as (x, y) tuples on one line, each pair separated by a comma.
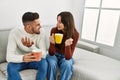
[(28, 26)]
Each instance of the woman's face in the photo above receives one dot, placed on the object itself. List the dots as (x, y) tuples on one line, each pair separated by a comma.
[(60, 25)]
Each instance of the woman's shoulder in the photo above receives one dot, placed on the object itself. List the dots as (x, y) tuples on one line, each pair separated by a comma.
[(76, 34), (54, 29)]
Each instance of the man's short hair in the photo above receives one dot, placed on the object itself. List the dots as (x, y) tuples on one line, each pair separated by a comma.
[(29, 16)]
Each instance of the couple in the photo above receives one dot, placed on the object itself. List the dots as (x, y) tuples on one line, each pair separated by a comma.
[(22, 42)]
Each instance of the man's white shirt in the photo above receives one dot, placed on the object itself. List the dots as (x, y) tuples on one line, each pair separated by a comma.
[(15, 48)]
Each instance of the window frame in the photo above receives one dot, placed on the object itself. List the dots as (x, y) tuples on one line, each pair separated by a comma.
[(99, 13)]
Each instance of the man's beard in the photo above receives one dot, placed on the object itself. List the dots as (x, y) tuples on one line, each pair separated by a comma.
[(35, 32)]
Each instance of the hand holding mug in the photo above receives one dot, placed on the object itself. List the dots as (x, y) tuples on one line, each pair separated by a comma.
[(28, 57), (52, 40)]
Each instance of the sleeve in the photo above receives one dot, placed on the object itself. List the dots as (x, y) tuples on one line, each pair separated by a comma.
[(12, 55), (52, 46), (69, 50), (41, 43)]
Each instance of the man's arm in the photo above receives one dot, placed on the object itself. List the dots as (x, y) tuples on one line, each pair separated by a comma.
[(12, 55)]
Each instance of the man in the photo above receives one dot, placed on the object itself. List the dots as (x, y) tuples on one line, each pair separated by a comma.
[(21, 43)]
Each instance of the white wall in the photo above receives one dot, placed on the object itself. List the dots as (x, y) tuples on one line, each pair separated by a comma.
[(77, 10), (11, 11)]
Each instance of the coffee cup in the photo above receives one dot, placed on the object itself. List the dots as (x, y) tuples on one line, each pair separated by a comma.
[(37, 54), (58, 38)]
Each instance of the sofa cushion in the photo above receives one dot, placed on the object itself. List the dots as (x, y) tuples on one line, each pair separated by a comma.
[(76, 54), (4, 32), (91, 66), (28, 74), (3, 67), (2, 77)]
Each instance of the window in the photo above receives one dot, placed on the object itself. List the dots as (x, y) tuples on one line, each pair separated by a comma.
[(100, 21)]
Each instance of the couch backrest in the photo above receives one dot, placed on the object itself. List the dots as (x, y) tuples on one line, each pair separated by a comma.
[(4, 33)]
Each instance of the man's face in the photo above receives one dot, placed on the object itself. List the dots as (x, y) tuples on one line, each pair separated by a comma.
[(35, 26)]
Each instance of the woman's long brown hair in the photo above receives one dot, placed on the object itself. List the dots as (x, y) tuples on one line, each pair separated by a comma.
[(68, 22)]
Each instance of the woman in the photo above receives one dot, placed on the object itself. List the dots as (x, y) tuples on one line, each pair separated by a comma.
[(60, 55)]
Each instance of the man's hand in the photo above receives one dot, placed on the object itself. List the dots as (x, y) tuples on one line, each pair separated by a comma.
[(68, 42), (26, 42), (29, 57)]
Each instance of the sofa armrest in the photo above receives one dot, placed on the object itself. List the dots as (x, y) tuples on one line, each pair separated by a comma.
[(88, 46)]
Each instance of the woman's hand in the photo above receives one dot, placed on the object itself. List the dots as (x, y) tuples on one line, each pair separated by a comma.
[(52, 40), (68, 42), (26, 42)]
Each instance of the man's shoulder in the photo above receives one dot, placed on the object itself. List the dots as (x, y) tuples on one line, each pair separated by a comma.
[(16, 30)]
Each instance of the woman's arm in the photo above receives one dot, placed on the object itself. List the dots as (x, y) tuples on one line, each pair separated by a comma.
[(69, 49), (52, 42)]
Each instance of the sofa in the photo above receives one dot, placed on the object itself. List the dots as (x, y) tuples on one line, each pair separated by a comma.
[(88, 65)]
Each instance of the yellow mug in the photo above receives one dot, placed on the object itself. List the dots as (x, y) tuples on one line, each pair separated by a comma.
[(58, 38)]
